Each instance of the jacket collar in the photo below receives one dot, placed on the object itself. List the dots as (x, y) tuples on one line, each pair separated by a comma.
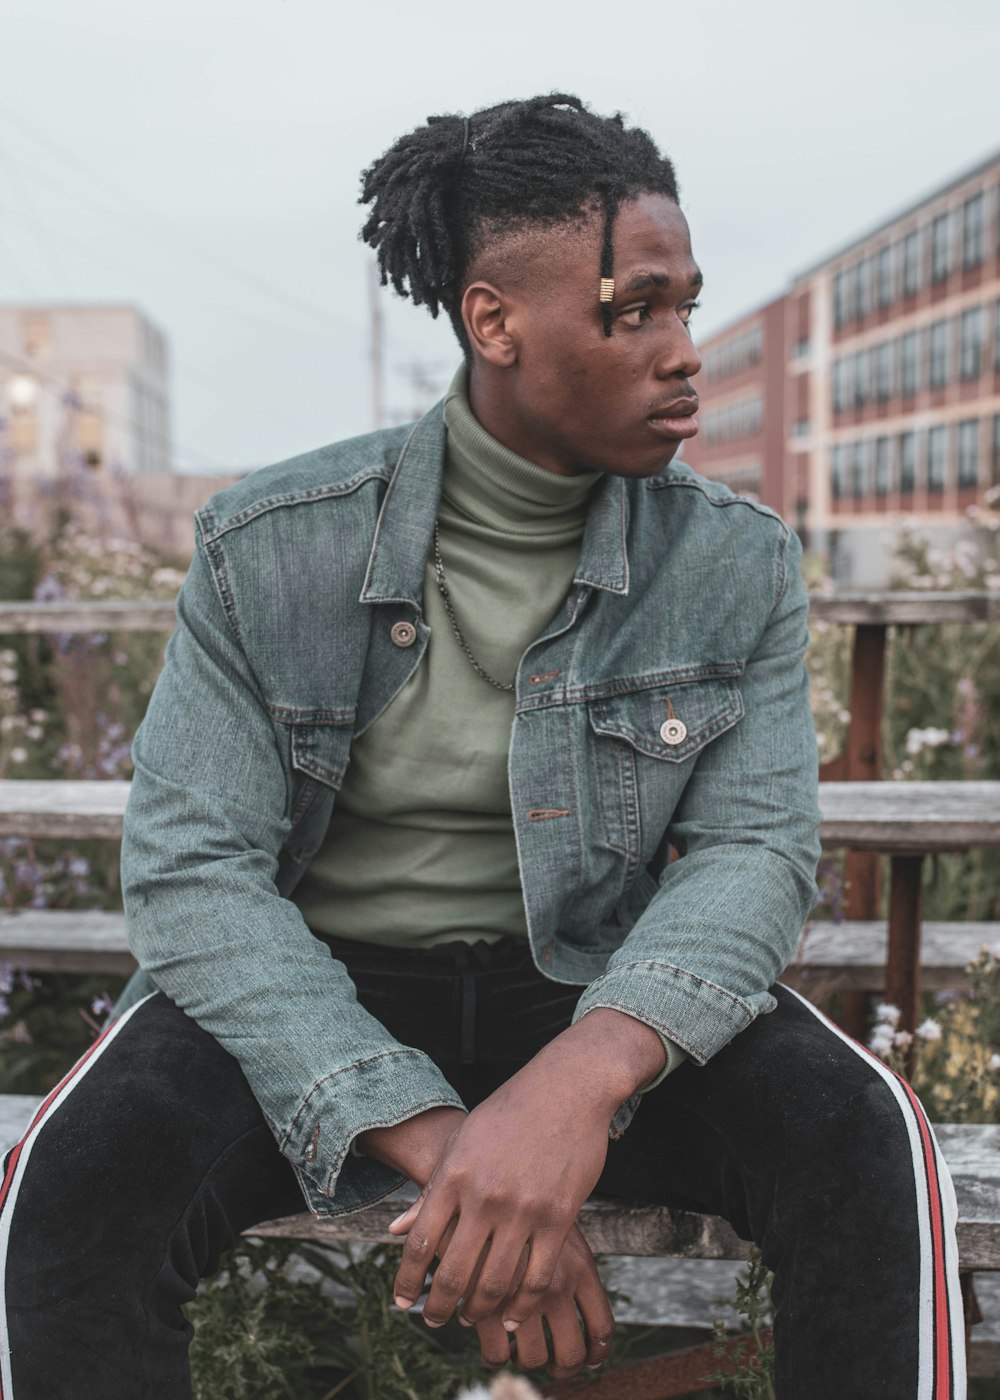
[(405, 524)]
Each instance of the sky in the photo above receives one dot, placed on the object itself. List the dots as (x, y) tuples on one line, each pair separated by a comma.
[(201, 160)]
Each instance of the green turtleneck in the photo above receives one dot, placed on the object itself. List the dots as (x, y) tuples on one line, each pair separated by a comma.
[(420, 849)]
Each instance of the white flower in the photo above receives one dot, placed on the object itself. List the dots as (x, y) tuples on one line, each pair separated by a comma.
[(885, 1011), (929, 1029), (8, 657), (902, 1040), (881, 1041), (18, 755), (38, 716), (8, 674), (919, 739), (993, 1062), (34, 731)]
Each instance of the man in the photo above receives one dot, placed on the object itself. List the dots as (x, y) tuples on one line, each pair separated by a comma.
[(397, 857)]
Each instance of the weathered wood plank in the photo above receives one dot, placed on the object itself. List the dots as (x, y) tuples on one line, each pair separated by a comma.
[(855, 951), (910, 818), (137, 616), (905, 609), (62, 807), (65, 940), (884, 816), (142, 615)]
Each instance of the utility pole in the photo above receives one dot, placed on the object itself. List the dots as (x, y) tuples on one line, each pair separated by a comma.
[(377, 347)]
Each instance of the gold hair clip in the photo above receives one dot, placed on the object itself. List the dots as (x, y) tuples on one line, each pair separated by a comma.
[(607, 292)]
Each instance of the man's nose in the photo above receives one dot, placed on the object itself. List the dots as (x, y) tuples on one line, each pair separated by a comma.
[(678, 355)]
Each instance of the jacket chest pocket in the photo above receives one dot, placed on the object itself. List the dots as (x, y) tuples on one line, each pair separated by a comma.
[(645, 745)]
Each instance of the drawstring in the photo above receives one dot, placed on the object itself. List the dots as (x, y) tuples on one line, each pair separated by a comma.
[(467, 1051)]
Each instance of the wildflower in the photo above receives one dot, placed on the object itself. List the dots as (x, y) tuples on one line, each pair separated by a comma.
[(18, 755), (929, 1029), (885, 1011), (993, 1062), (919, 739), (38, 716), (8, 657), (902, 1040), (101, 1004), (881, 1041)]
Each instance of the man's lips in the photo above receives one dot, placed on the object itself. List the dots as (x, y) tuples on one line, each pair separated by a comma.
[(676, 419)]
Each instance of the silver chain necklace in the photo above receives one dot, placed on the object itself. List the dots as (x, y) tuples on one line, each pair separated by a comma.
[(442, 584)]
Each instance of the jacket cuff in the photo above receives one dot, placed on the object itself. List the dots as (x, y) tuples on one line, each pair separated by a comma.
[(379, 1092), (698, 1016)]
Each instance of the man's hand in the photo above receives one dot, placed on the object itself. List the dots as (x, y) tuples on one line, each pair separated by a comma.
[(513, 1176), (575, 1285)]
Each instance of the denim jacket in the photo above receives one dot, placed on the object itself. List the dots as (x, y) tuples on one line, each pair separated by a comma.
[(665, 703)]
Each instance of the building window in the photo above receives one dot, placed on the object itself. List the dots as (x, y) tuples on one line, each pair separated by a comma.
[(886, 275), (907, 463), (36, 333), (996, 338), (908, 364), (968, 453), (837, 386), (938, 371), (22, 400), (741, 419), (940, 247), (736, 354), (937, 458), (882, 466), (800, 428), (839, 300), (883, 371), (859, 486), (973, 228), (837, 471), (911, 263), (862, 374), (995, 463), (971, 343), (864, 287)]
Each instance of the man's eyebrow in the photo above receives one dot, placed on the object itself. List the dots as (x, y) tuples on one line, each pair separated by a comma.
[(639, 280)]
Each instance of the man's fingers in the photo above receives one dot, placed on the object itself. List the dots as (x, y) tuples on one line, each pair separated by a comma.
[(532, 1350), (598, 1319), (402, 1223), (494, 1343), (458, 1265), (542, 1260), (569, 1346), (419, 1246), (500, 1271)]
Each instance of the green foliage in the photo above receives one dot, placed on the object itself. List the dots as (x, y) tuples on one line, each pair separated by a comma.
[(261, 1333), (753, 1375)]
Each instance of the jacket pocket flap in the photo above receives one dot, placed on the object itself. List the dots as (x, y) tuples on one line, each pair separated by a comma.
[(670, 722), (322, 751)]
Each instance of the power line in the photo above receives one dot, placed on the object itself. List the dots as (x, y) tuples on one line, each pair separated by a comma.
[(76, 164)]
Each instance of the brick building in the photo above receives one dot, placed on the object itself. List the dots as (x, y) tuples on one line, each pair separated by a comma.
[(870, 390)]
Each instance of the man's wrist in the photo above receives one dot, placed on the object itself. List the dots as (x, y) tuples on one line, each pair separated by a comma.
[(413, 1146), (609, 1054)]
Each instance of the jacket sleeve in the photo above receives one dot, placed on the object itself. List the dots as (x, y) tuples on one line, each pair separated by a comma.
[(724, 922), (206, 819)]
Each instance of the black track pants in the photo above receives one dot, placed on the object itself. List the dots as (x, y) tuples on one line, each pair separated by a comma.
[(153, 1155)]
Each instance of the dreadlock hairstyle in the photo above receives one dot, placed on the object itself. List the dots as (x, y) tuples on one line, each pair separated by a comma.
[(443, 193)]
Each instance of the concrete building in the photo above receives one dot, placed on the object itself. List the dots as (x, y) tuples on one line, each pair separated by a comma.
[(870, 391), (82, 389)]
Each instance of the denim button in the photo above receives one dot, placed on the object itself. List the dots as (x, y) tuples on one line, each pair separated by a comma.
[(404, 634), (673, 731)]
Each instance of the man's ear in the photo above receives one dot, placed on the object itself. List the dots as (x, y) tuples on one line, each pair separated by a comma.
[(485, 311)]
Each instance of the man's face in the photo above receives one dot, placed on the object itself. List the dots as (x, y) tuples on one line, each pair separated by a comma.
[(573, 399)]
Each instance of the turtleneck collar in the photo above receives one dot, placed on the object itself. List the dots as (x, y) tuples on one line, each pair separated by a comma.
[(496, 488)]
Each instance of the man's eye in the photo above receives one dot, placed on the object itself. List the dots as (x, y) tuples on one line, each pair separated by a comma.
[(635, 315), (687, 311)]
